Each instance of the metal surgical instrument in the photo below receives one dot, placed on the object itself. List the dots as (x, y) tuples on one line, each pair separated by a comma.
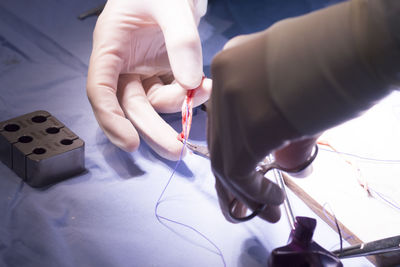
[(390, 244), (263, 167)]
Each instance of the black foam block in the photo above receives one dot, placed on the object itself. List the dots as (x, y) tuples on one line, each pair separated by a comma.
[(40, 149)]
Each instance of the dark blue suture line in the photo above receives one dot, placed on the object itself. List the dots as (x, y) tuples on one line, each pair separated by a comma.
[(159, 217), (386, 199)]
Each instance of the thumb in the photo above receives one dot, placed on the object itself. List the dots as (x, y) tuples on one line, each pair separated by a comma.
[(296, 154), (182, 41)]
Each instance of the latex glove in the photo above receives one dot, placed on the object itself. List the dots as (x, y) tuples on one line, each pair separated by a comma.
[(244, 126), (276, 90), (146, 54)]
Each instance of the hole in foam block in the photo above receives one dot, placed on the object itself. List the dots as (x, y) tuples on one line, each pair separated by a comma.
[(52, 130), (39, 119), (25, 139), (66, 142), (39, 151), (11, 127)]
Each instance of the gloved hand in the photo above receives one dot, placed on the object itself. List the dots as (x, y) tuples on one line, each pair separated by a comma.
[(277, 90), (244, 126), (146, 55)]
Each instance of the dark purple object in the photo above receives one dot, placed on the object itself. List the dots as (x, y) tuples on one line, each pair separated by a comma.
[(301, 250)]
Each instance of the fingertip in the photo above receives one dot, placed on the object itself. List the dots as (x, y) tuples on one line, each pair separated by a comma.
[(206, 85), (295, 153), (203, 92), (186, 75), (167, 146), (174, 152), (127, 138), (130, 145), (304, 173)]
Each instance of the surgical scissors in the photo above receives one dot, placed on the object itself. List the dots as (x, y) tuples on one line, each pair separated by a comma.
[(263, 167)]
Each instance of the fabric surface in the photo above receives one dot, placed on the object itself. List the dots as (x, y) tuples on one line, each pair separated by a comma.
[(105, 216)]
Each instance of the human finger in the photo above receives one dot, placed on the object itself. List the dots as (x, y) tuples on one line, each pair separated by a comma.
[(178, 24), (295, 154), (158, 134), (169, 98), (101, 91)]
